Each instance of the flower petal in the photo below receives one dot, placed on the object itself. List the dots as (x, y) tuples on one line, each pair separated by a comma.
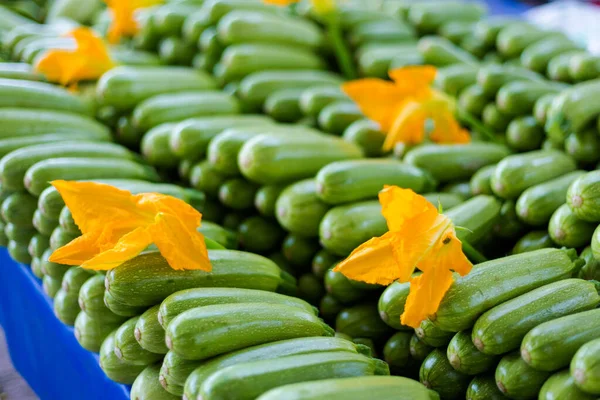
[(414, 78), (426, 293), (408, 125), (181, 247), (400, 205), (159, 203), (129, 246), (373, 262), (77, 251)]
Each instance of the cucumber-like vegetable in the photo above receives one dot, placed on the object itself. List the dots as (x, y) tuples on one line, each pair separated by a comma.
[(565, 229), (391, 304), (322, 262), (493, 76), (374, 59), (437, 374), (19, 253), (473, 100), (18, 209), (154, 146), (56, 271), (310, 288), (457, 31), (483, 387), (223, 236), (147, 385), (237, 194), (299, 250), (116, 369), (284, 105), (478, 214), (512, 40), (384, 31), (441, 52), (428, 17), (584, 67), (487, 30), (74, 278), (466, 358), (585, 367), (259, 235), (551, 346), (60, 238), (50, 285), (36, 270), (516, 379), (296, 157), (8, 145), (558, 67), (38, 245), (433, 336), (174, 372), (537, 56), (174, 51), (591, 269), (314, 99), (266, 198), (455, 162), (541, 107), (19, 71), (480, 181), (19, 234), (337, 116), (205, 178), (516, 173), (126, 86), (419, 350), (561, 386), (583, 198), (584, 146), (396, 351), (66, 307), (90, 332), (536, 205), (67, 223), (91, 301), (519, 97), (502, 328), (519, 274), (149, 333), (362, 321), (127, 347), (329, 308), (120, 308), (461, 189), (525, 134), (366, 135), (248, 381), (494, 118), (299, 209), (342, 289)]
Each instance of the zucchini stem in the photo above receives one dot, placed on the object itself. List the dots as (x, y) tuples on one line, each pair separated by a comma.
[(472, 254)]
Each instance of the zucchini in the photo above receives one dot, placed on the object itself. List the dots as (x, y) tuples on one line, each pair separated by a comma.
[(541, 107), (237, 193), (124, 87), (374, 59), (583, 198), (295, 157), (516, 173), (502, 328), (465, 357), (90, 332), (4, 239), (484, 387), (222, 236), (437, 374), (513, 39), (525, 134), (147, 385), (155, 149), (419, 350), (174, 372), (116, 369), (537, 56), (584, 67), (322, 262), (205, 178), (391, 304), (460, 189), (487, 29), (19, 71), (299, 251), (67, 223), (384, 31), (329, 308), (457, 31), (18, 209), (519, 97), (561, 386), (149, 333), (50, 285), (250, 380), (36, 269), (54, 270), (342, 289), (133, 282), (91, 301), (478, 214), (441, 52), (429, 16), (60, 238), (19, 234), (565, 229), (284, 105), (536, 205), (558, 66), (362, 321), (495, 119), (591, 269), (8, 145), (473, 99), (551, 346), (38, 245), (121, 309), (196, 334), (366, 134), (266, 199), (337, 116), (127, 347), (174, 51), (315, 99), (74, 278), (66, 307), (433, 336), (299, 209), (455, 162), (480, 181), (519, 274), (259, 235), (517, 380), (310, 288), (585, 367), (584, 146)]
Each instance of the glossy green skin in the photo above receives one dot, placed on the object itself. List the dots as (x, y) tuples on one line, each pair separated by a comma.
[(566, 229), (90, 332), (149, 333), (473, 99), (284, 105), (39, 176), (509, 225), (56, 271), (466, 358), (35, 265), (127, 347), (66, 307), (429, 17), (455, 162), (433, 336), (454, 78), (20, 71), (19, 234), (585, 367), (591, 269), (154, 146), (74, 278), (478, 214), (330, 307), (561, 386), (584, 66), (345, 227), (525, 134), (38, 245), (366, 135), (121, 309), (347, 181), (558, 67), (174, 372), (8, 145), (446, 200), (534, 240), (60, 238), (584, 146), (362, 321), (437, 374), (583, 197), (357, 388), (517, 380), (314, 99), (541, 107), (238, 193), (322, 262), (67, 223), (3, 238), (299, 251), (18, 209), (391, 304), (494, 118), (537, 56), (536, 205), (205, 178), (419, 350), (514, 174), (174, 51), (441, 52), (116, 369), (126, 86), (502, 328), (255, 323), (374, 59), (299, 209), (484, 388), (147, 279), (147, 385), (50, 285), (336, 117), (311, 288), (266, 198), (512, 40), (493, 76), (519, 97), (91, 300), (381, 32), (551, 346), (248, 381), (471, 295), (223, 236)]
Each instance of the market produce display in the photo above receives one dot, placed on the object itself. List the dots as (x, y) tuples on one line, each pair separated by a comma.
[(241, 109)]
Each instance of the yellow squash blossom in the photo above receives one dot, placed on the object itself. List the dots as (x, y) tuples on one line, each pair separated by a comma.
[(402, 107), (419, 237), (117, 226), (88, 61), (123, 17), (321, 7)]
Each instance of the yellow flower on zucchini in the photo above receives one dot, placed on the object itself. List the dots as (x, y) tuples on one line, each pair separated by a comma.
[(116, 226), (123, 17), (402, 107), (419, 237)]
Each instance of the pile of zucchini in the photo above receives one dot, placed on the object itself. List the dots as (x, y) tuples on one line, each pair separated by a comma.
[(235, 107)]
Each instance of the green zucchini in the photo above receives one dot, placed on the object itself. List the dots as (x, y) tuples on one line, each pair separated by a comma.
[(433, 336), (374, 59), (362, 321), (19, 234), (495, 119), (585, 367), (492, 77), (536, 205), (473, 100), (558, 66), (66, 307), (561, 386), (60, 238), (127, 347), (259, 235), (154, 146), (74, 278), (566, 229), (50, 285), (120, 308), (38, 245), (149, 333), (591, 269), (524, 134), (366, 134), (174, 372), (322, 262), (479, 215), (519, 274), (396, 351), (429, 16), (466, 358), (513, 39), (116, 369), (337, 116), (516, 173), (437, 374), (484, 387), (537, 56), (502, 328), (56, 271), (384, 31), (237, 193), (36, 268), (18, 209), (315, 99), (456, 31), (266, 199), (284, 105), (329, 308), (299, 209), (584, 67), (342, 289), (541, 107), (583, 197), (8, 145), (391, 304), (441, 52), (480, 181), (4, 239), (205, 178), (90, 332), (487, 29), (517, 380), (460, 189), (147, 385), (174, 51), (20, 71), (91, 300), (299, 251), (310, 288), (419, 350), (584, 146), (67, 223), (519, 97)]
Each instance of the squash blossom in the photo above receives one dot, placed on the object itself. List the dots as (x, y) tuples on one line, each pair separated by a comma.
[(88, 61), (419, 237), (123, 17), (402, 107), (117, 226), (321, 7)]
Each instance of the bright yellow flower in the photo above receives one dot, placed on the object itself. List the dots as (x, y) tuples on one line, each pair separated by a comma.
[(117, 226), (402, 107), (123, 17), (321, 7), (88, 61), (419, 237)]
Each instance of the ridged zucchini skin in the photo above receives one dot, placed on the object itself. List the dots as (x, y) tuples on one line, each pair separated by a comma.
[(483, 387), (585, 367), (175, 371), (299, 209), (433, 336), (516, 173), (396, 351), (149, 333), (121, 309), (561, 386), (127, 347), (536, 204), (66, 307), (455, 162), (250, 380), (517, 380), (148, 387), (90, 332), (437, 374), (19, 234), (195, 334), (184, 300), (583, 196), (471, 295), (502, 328), (357, 388), (466, 358), (134, 282), (391, 304), (551, 346), (566, 229), (50, 285), (115, 368), (362, 321)]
